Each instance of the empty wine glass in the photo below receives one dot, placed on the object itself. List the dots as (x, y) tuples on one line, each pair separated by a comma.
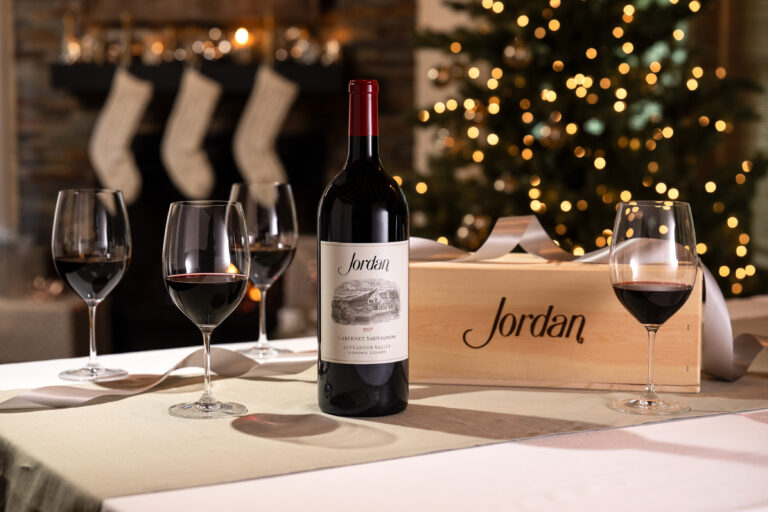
[(91, 246), (653, 268), (205, 267), (270, 216)]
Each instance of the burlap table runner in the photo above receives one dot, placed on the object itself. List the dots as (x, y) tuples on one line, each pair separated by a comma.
[(72, 459)]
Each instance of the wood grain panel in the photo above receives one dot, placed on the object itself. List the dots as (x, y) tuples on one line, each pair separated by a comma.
[(451, 302)]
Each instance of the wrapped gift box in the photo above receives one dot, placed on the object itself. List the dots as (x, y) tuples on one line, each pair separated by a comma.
[(523, 321)]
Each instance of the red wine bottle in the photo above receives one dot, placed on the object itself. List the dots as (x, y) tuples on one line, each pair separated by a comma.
[(362, 226)]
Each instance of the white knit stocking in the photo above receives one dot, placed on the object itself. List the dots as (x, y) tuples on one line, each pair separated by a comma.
[(254, 142), (181, 149), (110, 145)]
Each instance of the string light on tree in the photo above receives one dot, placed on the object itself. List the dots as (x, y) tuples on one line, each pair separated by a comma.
[(546, 109)]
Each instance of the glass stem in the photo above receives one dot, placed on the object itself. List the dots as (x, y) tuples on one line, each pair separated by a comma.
[(650, 391), (92, 361), (207, 397), (262, 342)]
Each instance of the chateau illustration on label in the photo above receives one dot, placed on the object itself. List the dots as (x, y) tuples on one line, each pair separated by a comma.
[(365, 301)]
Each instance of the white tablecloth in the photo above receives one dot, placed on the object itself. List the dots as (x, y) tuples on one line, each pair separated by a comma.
[(714, 463)]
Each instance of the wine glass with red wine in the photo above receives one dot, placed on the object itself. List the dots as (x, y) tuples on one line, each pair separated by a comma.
[(653, 268), (270, 216), (206, 261), (91, 246)]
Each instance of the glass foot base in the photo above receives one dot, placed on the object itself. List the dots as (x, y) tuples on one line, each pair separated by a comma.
[(198, 410), (92, 374), (649, 407), (260, 353)]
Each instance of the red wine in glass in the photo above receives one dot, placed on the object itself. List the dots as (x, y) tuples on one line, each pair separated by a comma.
[(653, 266), (652, 303), (206, 261), (91, 278), (268, 262), (273, 232), (206, 299), (91, 246)]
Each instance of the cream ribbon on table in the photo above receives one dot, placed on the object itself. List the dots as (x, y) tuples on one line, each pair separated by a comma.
[(722, 355), (224, 362)]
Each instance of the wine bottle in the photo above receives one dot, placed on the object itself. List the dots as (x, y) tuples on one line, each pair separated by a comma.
[(362, 226)]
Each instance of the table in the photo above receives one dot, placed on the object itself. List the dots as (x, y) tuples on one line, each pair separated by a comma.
[(709, 463)]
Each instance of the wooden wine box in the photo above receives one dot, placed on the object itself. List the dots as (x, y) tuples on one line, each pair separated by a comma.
[(523, 321)]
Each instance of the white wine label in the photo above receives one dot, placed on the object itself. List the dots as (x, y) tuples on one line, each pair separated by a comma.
[(364, 302)]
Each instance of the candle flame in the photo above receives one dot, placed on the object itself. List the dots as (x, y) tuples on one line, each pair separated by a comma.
[(242, 35)]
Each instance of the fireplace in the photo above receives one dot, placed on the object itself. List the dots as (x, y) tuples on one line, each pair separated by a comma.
[(60, 98)]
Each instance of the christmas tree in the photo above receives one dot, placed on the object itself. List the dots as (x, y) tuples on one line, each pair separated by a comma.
[(565, 107)]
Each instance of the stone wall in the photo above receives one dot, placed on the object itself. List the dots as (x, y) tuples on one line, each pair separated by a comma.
[(53, 126)]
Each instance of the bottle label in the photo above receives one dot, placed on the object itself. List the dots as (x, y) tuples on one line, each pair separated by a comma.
[(364, 302)]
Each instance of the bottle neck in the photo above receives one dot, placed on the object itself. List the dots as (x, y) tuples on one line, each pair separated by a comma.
[(363, 148), (363, 126)]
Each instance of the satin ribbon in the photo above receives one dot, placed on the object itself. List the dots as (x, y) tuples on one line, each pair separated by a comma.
[(224, 362), (722, 355)]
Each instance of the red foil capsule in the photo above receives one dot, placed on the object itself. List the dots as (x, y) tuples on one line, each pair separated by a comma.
[(363, 107)]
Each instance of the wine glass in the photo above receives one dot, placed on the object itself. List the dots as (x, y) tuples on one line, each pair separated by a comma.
[(91, 246), (205, 267), (653, 267), (270, 216)]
